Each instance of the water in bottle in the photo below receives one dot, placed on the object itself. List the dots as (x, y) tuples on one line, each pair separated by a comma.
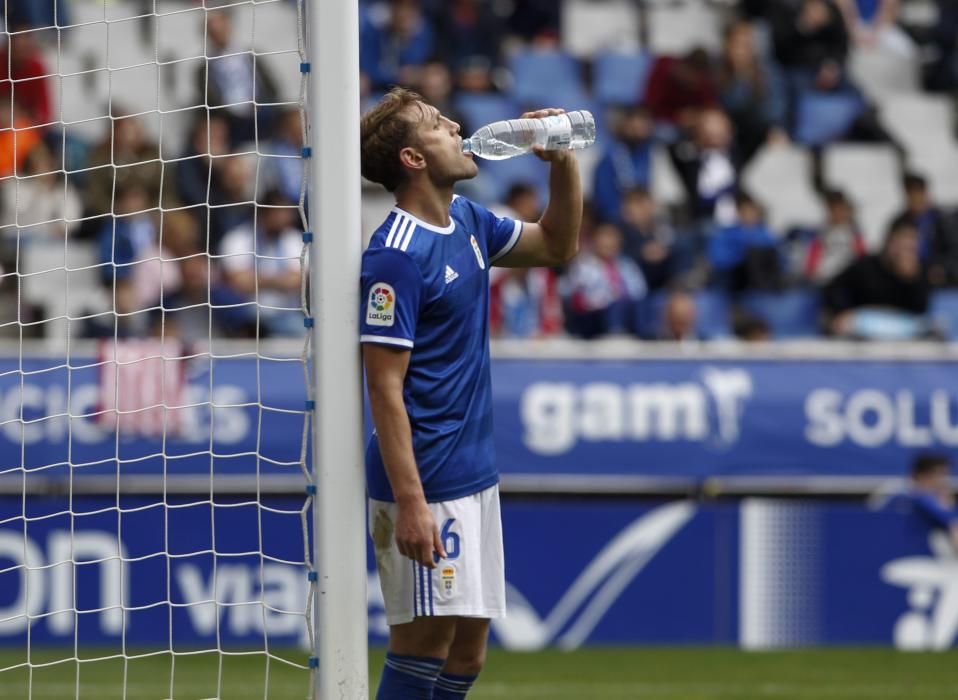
[(514, 137)]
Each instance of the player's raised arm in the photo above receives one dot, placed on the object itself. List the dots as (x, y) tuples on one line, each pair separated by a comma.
[(417, 535), (554, 239)]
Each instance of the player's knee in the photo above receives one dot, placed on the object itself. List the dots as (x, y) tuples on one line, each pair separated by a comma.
[(466, 662)]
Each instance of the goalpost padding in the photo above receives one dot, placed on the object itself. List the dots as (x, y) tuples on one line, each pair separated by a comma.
[(155, 490)]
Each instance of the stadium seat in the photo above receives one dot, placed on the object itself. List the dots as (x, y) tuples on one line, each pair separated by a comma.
[(589, 27), (546, 77), (481, 108), (825, 117), (618, 78), (675, 28), (944, 311), (667, 187), (923, 125), (790, 314), (869, 175), (780, 177)]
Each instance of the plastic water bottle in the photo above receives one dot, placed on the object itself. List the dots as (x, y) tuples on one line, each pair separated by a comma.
[(515, 137)]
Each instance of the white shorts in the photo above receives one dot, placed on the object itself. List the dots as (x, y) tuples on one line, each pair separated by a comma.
[(469, 582)]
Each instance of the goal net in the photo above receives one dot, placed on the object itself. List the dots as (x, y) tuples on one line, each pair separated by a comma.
[(155, 537)]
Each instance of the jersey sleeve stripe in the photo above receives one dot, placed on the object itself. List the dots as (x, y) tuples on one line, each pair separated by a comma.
[(510, 244), (409, 232), (386, 340), (392, 230)]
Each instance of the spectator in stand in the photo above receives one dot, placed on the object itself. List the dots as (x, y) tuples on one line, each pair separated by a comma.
[(22, 63), (467, 31), (40, 204), (679, 89), (837, 244), (536, 20), (625, 163), (30, 13), (937, 232), (206, 175), (261, 263), (679, 318), (940, 67), (285, 172), (649, 238), (708, 168), (435, 85), (124, 157), (929, 499), (752, 92), (871, 23), (395, 40), (811, 43), (751, 329), (524, 303), (131, 255), (235, 81), (603, 287), (881, 296), (204, 307), (17, 140), (744, 255)]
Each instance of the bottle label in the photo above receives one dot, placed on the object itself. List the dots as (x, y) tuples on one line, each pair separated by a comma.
[(559, 130)]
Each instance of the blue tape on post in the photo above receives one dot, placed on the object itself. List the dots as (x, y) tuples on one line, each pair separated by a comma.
[(311, 489), (313, 662), (305, 67), (312, 576), (308, 321), (310, 405), (307, 236), (306, 152)]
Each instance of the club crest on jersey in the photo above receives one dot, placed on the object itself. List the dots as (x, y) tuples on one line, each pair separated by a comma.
[(478, 252), (381, 310), (447, 576)]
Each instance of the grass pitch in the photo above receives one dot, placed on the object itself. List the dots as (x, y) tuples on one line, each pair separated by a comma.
[(592, 674)]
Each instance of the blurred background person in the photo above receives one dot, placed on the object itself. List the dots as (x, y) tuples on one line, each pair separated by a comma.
[(837, 244), (626, 162), (602, 287)]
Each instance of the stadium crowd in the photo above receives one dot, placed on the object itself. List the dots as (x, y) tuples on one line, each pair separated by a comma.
[(709, 265)]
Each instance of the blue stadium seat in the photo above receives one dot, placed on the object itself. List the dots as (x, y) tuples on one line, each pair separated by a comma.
[(944, 311), (825, 117), (481, 108), (545, 78), (790, 314), (618, 78), (497, 176)]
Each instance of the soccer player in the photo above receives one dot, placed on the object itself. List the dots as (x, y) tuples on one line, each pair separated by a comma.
[(432, 479)]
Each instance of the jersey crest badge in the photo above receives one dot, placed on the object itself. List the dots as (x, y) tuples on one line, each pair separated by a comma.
[(478, 252), (381, 309)]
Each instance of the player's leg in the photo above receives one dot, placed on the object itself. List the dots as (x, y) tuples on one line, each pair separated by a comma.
[(482, 581), (465, 659), (417, 653)]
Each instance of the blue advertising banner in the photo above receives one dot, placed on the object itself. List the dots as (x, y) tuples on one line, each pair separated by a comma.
[(694, 419), (720, 418), (227, 409), (760, 573)]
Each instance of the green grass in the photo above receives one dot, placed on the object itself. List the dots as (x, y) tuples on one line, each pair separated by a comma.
[(593, 674)]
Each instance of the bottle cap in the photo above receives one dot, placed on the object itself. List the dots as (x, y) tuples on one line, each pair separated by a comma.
[(467, 145)]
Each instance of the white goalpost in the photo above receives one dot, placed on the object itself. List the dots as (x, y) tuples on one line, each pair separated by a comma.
[(182, 498)]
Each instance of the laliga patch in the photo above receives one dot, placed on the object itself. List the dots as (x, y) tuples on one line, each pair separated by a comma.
[(478, 252), (381, 308), (447, 579)]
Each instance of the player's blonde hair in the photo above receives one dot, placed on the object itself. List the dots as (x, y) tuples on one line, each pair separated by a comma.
[(384, 131)]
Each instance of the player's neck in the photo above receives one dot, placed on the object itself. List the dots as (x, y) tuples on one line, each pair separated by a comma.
[(427, 204)]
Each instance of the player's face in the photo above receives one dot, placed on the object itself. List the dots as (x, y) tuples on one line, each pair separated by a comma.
[(441, 146)]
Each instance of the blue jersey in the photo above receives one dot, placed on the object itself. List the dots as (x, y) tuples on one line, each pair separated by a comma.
[(426, 288)]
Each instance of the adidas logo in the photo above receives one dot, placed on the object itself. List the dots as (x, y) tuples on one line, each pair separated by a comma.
[(451, 274)]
